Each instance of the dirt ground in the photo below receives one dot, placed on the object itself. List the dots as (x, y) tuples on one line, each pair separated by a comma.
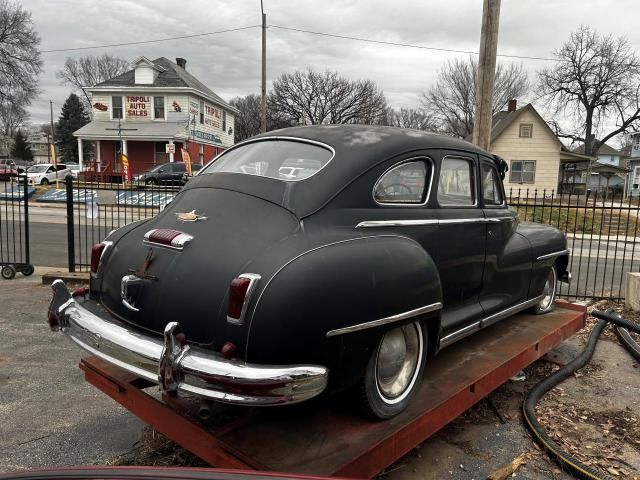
[(593, 415)]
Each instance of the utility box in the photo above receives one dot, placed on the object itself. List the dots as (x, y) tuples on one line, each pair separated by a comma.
[(632, 291)]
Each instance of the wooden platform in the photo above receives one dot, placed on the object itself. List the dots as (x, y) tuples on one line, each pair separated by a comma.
[(325, 437)]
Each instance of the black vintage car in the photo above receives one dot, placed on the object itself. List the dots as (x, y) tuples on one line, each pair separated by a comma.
[(315, 257)]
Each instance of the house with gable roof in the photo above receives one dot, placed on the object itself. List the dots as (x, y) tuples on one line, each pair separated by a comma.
[(151, 113), (537, 159)]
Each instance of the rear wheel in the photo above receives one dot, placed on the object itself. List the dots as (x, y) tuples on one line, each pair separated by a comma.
[(548, 302), (8, 272), (394, 371), (44, 182)]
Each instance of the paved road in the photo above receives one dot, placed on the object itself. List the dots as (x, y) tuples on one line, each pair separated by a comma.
[(50, 417)]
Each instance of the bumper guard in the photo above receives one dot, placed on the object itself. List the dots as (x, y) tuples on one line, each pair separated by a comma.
[(178, 367)]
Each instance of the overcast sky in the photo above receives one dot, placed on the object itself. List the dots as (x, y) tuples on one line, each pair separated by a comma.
[(229, 63)]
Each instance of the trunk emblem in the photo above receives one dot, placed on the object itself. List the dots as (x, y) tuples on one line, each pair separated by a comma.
[(191, 216)]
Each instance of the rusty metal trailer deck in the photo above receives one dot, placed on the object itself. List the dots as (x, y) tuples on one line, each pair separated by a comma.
[(325, 436)]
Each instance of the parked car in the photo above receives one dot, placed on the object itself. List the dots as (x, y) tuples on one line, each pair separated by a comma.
[(195, 168), (74, 168), (165, 174), (8, 169), (252, 287), (46, 173)]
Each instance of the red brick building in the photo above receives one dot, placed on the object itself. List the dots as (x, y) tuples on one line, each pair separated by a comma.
[(155, 108)]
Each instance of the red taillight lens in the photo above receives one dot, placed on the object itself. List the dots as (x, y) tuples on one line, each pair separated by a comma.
[(96, 253), (237, 293)]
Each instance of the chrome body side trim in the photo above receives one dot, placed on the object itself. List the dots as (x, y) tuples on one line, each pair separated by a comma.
[(179, 367), (422, 158), (430, 221), (254, 278), (485, 322), (386, 320), (177, 243), (552, 255)]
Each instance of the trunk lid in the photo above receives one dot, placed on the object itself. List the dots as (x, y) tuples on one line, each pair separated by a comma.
[(191, 285)]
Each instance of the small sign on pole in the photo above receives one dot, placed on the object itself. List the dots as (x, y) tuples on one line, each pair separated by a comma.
[(170, 148)]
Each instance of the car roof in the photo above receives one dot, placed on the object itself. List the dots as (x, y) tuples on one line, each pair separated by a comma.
[(357, 149)]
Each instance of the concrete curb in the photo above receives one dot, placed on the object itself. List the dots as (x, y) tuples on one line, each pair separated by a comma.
[(67, 277)]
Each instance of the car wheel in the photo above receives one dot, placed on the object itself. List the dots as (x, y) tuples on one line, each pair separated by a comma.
[(394, 371), (151, 181), (27, 270), (44, 182), (548, 302)]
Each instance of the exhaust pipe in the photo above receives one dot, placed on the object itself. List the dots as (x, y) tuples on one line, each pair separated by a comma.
[(204, 410)]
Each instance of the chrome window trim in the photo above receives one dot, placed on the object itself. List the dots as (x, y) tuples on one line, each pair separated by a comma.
[(254, 278), (485, 322), (421, 158), (177, 243), (430, 221), (386, 320), (553, 254), (267, 139), (475, 184)]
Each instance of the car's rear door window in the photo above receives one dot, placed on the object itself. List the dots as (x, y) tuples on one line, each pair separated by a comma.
[(287, 160), (405, 183), (456, 185)]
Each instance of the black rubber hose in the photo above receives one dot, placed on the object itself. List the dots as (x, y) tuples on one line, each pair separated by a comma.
[(565, 460)]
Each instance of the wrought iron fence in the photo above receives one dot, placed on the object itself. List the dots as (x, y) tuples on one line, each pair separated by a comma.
[(14, 228), (602, 233), (95, 209)]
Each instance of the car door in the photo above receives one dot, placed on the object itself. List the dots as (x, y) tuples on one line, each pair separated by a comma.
[(164, 174), (414, 196), (179, 169), (505, 281)]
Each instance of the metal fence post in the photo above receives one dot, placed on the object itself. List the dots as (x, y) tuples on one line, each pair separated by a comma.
[(27, 259), (71, 244)]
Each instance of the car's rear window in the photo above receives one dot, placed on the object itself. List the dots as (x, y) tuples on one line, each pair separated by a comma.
[(287, 160)]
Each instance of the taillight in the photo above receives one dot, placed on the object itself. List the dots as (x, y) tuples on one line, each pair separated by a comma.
[(239, 294), (96, 254)]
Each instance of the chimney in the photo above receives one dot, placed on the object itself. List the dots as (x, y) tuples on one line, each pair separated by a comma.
[(512, 105), (181, 62)]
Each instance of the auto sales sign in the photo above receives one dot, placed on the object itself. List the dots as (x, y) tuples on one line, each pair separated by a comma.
[(138, 106)]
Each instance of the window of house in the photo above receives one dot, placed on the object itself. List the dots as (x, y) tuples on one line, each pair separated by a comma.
[(526, 130), (456, 183), (201, 153), (404, 183), (158, 108), (523, 171), (224, 121), (116, 107), (161, 155), (491, 192), (201, 111)]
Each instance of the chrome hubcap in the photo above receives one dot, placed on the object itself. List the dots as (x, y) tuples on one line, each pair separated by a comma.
[(549, 290), (398, 358)]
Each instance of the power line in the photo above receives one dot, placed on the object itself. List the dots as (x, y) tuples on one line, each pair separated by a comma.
[(150, 41), (396, 44)]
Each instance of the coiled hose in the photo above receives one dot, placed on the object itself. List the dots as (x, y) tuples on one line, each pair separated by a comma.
[(565, 460)]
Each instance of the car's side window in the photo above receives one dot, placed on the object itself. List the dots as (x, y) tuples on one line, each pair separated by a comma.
[(403, 184), (491, 193), (456, 186)]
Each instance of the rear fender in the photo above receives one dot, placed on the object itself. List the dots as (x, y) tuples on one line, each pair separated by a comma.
[(331, 304)]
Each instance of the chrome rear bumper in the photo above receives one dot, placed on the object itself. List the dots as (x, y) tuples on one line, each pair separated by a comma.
[(178, 367)]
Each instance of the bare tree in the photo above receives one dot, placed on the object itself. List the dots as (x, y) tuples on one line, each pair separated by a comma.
[(596, 83), (20, 65), (410, 118), (247, 122), (451, 99), (317, 98), (87, 71)]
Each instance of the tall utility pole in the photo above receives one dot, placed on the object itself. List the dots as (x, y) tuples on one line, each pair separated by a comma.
[(486, 73), (53, 136), (263, 100)]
